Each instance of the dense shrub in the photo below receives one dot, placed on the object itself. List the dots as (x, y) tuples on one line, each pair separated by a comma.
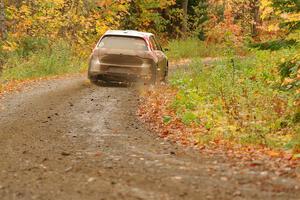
[(29, 45), (193, 47), (39, 58), (241, 100), (274, 45)]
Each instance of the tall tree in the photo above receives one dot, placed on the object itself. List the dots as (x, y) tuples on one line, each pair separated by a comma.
[(2, 20), (198, 16), (254, 6), (185, 4)]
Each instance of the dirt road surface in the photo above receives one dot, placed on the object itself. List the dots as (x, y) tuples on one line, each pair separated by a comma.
[(68, 139)]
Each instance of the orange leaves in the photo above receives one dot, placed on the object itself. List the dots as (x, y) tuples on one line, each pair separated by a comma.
[(105, 3), (155, 111), (18, 85), (273, 153)]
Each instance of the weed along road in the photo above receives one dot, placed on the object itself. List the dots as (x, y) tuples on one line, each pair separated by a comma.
[(68, 139)]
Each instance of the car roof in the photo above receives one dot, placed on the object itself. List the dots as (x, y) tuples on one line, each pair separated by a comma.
[(131, 33)]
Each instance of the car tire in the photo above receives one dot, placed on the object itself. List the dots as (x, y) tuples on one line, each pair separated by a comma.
[(98, 82), (153, 79), (165, 76), (94, 81), (164, 80)]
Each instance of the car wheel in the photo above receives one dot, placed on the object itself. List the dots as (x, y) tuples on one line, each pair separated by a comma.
[(165, 76), (94, 81), (153, 79), (98, 82), (164, 80)]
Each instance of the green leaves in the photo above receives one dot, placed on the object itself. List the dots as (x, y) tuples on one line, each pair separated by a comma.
[(167, 119), (253, 110), (189, 117)]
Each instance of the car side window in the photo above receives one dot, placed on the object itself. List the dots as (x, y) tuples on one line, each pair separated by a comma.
[(153, 43), (157, 44)]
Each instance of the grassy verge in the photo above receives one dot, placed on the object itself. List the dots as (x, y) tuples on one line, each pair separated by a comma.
[(39, 57), (239, 100), (194, 48)]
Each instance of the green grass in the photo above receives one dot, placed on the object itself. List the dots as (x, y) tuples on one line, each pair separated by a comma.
[(244, 103), (192, 48), (55, 58)]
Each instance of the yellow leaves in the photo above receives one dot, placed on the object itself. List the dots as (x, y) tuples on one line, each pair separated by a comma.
[(25, 10), (266, 8), (52, 18), (9, 46), (265, 3), (101, 27), (57, 2), (77, 21), (166, 3), (291, 17), (273, 27)]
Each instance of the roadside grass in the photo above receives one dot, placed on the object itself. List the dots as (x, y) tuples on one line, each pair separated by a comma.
[(38, 58), (192, 48), (239, 100)]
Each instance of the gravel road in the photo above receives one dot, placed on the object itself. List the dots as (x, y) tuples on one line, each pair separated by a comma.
[(68, 139)]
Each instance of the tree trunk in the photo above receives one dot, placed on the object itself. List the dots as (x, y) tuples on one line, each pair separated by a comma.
[(185, 18), (2, 20), (254, 4)]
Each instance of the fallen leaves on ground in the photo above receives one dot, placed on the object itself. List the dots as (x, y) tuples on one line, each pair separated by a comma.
[(155, 106), (18, 85)]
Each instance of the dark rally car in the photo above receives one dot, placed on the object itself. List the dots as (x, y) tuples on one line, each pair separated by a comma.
[(128, 56)]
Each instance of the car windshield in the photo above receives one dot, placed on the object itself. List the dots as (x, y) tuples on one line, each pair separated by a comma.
[(122, 42)]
